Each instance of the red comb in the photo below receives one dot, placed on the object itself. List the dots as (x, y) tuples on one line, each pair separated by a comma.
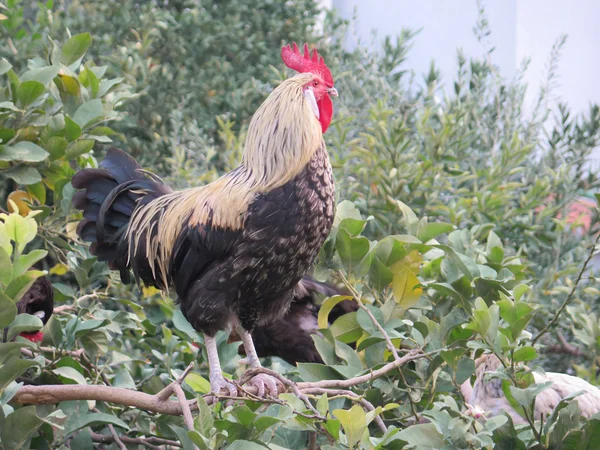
[(305, 63)]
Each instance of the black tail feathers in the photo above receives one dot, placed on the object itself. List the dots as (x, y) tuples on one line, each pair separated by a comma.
[(108, 197)]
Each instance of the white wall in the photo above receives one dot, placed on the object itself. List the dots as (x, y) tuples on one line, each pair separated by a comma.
[(538, 25), (520, 28)]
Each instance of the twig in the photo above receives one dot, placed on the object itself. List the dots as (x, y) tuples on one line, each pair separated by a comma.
[(63, 308), (185, 407), (341, 384), (351, 396), (30, 354), (571, 294), (116, 437), (361, 305), (169, 390), (54, 351), (312, 440), (150, 442)]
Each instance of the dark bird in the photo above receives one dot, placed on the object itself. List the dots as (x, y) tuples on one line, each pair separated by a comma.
[(290, 337), (235, 249), (37, 301)]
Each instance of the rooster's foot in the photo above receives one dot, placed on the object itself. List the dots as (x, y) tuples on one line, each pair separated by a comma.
[(220, 386), (266, 384)]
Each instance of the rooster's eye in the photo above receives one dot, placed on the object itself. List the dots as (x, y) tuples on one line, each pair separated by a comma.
[(315, 83)]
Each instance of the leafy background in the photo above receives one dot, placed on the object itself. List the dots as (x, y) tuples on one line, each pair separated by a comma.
[(454, 227)]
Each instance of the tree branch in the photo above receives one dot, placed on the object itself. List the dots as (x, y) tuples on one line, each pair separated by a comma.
[(51, 394), (356, 295), (342, 384), (115, 436), (150, 442)]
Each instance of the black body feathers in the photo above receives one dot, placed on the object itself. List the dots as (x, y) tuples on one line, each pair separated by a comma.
[(230, 249), (290, 337)]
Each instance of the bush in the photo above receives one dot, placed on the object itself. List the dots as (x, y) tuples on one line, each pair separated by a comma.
[(453, 231)]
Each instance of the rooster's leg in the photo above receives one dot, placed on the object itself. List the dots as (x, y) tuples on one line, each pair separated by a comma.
[(261, 380), (217, 382), (251, 355)]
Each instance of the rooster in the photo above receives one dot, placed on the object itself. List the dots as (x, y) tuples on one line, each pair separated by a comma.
[(37, 301), (234, 250), (486, 394), (290, 337)]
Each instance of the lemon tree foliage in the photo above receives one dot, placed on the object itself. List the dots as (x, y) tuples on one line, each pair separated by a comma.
[(454, 230)]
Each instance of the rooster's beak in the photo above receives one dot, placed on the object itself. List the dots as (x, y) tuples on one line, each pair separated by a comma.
[(332, 91)]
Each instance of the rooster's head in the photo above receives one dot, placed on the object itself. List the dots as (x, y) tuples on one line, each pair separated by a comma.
[(319, 89)]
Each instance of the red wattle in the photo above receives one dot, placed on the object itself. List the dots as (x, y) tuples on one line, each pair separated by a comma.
[(325, 111), (36, 336)]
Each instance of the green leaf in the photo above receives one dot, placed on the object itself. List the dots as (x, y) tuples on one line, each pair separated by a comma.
[(519, 290), (123, 379), (346, 209), (56, 146), (38, 191), (327, 306), (6, 266), (8, 105), (203, 423), (21, 230), (19, 426), (5, 66), (424, 436), (24, 323), (380, 276), (317, 372), (406, 288), (90, 81), (43, 75), (89, 112), (346, 328), (525, 397), (72, 130), (69, 375), (433, 230), (8, 310), (524, 354), (183, 436), (87, 420), (13, 368), (24, 175), (25, 262), (23, 151), (79, 148), (351, 249), (198, 383), (466, 265), (182, 324), (19, 285), (75, 48), (70, 85), (28, 92), (354, 423), (241, 444)]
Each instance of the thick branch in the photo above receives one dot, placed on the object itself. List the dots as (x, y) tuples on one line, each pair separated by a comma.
[(564, 347), (50, 394)]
